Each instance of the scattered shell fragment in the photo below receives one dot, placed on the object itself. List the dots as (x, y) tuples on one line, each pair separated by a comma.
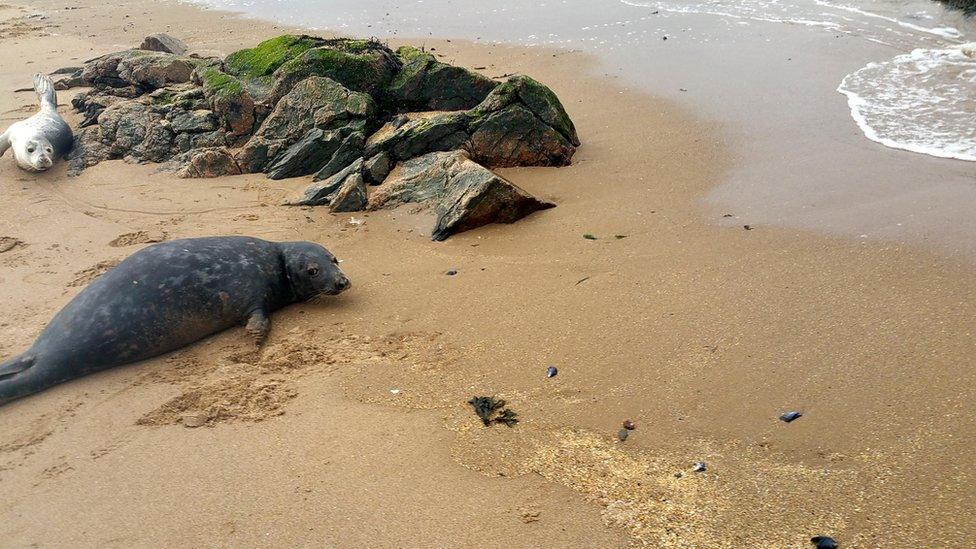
[(629, 425), (551, 371), (790, 416), (623, 434), (824, 542), (194, 419), (699, 467)]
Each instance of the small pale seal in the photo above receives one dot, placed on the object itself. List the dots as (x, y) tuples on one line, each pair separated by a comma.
[(167, 296), (43, 138)]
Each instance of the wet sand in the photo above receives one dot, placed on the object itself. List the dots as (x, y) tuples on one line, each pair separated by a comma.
[(698, 330)]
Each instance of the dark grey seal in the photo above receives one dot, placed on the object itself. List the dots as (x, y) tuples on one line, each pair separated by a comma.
[(43, 138), (169, 295)]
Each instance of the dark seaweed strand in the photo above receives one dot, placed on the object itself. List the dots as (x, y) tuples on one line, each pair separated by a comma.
[(486, 407)]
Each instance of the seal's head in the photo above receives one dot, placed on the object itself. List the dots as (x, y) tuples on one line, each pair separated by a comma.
[(35, 155), (312, 270)]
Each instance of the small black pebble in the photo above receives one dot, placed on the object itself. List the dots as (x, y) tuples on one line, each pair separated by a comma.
[(790, 416), (629, 425), (623, 434), (747, 227), (664, 38), (824, 542), (551, 371), (452, 272)]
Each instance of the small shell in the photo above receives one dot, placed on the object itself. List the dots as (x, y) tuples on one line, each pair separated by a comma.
[(699, 467)]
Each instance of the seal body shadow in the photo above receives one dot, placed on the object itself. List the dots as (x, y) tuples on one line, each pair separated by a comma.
[(167, 296)]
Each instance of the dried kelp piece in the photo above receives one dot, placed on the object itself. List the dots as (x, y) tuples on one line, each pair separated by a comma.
[(492, 410)]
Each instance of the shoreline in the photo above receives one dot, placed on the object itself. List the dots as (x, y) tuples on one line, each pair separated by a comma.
[(682, 307), (769, 84)]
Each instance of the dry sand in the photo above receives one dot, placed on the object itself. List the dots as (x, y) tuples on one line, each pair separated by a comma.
[(350, 427)]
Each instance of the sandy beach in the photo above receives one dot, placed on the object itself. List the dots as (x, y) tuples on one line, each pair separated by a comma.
[(351, 427)]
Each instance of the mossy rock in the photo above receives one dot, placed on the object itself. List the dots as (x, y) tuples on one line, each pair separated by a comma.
[(217, 83), (229, 99), (536, 97), (265, 58), (426, 84), (359, 65)]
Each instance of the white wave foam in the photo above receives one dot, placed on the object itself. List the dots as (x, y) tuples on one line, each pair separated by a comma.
[(923, 101), (950, 33)]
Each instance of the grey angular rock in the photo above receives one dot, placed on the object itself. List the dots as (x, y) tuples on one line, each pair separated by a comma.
[(321, 193), (420, 135), (165, 43), (514, 136), (87, 151), (206, 163), (306, 155), (521, 123), (464, 194), (351, 196), (152, 70), (377, 168), (426, 84), (191, 121), (104, 71), (316, 102), (349, 150)]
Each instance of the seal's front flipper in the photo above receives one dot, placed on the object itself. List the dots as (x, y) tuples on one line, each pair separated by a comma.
[(258, 325), (4, 142), (45, 90), (16, 365)]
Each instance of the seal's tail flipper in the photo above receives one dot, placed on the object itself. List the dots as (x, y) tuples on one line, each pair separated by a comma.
[(45, 90), (17, 364)]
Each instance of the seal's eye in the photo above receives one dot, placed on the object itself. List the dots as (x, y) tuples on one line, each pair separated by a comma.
[(49, 150), (313, 271), (30, 148)]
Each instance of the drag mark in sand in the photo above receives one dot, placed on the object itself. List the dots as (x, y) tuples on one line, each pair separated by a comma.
[(256, 385)]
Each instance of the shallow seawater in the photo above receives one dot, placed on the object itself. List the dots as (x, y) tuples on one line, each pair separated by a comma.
[(921, 99)]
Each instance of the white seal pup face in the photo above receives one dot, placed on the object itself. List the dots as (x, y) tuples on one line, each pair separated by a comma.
[(37, 154), (38, 141)]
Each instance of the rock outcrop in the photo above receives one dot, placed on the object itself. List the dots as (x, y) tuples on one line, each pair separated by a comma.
[(463, 194), (342, 111), (164, 43)]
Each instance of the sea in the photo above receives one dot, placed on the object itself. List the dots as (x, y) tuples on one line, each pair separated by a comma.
[(918, 94)]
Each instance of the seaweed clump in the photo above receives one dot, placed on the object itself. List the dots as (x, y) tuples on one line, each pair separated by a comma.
[(492, 410)]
